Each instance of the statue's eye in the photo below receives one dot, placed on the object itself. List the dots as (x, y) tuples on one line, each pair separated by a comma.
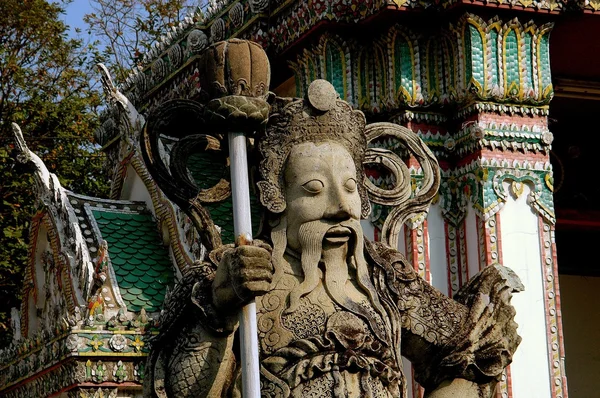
[(313, 186), (350, 185)]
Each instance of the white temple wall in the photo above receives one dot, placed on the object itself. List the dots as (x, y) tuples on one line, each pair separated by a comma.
[(521, 252), (437, 248), (134, 189)]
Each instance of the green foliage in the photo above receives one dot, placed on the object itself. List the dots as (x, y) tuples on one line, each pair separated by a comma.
[(45, 87), (48, 87), (129, 27)]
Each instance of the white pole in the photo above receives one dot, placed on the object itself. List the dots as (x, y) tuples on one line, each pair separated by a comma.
[(242, 228)]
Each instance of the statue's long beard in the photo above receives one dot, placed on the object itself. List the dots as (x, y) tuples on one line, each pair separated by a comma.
[(311, 236)]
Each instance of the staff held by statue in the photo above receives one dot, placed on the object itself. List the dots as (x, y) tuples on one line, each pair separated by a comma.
[(236, 75)]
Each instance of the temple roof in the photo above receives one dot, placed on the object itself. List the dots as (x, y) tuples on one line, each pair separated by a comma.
[(141, 263), (207, 170)]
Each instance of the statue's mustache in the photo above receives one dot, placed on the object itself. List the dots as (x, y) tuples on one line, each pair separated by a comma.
[(311, 236), (331, 226)]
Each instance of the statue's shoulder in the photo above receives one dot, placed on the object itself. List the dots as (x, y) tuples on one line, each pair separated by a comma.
[(390, 260), (179, 300)]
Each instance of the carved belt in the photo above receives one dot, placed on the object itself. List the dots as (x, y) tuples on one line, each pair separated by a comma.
[(309, 367)]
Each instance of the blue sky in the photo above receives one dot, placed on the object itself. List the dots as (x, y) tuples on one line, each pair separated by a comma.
[(75, 12)]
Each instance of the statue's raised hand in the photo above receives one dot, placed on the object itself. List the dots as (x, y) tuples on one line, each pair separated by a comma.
[(243, 273)]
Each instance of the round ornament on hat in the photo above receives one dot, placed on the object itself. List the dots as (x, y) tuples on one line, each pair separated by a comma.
[(322, 95)]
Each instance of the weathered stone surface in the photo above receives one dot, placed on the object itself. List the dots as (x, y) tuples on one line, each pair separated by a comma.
[(235, 67), (335, 311)]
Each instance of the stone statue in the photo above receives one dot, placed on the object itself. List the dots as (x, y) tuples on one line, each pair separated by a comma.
[(336, 312)]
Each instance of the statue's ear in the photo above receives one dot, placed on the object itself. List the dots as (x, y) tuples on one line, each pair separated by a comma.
[(390, 148), (271, 196)]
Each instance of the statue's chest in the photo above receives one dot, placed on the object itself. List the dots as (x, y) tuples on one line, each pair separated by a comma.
[(277, 328)]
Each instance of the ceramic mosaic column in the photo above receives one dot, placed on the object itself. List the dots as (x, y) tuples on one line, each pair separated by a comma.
[(477, 93), (497, 194)]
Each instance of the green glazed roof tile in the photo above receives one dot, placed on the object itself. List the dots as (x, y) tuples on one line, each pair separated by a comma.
[(207, 169), (138, 302), (153, 256), (140, 256), (118, 261), (134, 261), (141, 263), (120, 245), (130, 250), (128, 297), (138, 272), (143, 230), (125, 285)]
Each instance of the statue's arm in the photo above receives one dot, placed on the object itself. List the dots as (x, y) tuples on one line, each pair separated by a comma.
[(455, 345), (191, 335), (431, 324)]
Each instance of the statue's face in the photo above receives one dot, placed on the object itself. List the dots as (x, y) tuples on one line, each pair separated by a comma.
[(320, 184)]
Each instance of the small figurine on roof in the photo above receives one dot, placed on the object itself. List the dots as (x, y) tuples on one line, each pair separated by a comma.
[(95, 308), (101, 264)]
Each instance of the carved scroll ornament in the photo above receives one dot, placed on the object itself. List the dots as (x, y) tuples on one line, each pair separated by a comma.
[(399, 196)]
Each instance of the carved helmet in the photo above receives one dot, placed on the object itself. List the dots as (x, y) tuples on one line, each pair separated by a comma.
[(321, 116)]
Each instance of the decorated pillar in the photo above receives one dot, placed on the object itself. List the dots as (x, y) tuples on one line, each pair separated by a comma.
[(498, 208), (477, 92), (497, 195)]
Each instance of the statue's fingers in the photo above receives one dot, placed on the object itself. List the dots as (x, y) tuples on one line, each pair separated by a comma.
[(256, 275), (253, 251), (226, 257), (262, 244), (254, 262), (256, 287)]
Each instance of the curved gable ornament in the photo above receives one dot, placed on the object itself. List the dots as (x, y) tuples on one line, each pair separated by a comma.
[(70, 257), (400, 196)]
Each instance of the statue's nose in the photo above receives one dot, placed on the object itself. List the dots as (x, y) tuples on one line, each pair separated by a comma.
[(338, 206), (339, 213)]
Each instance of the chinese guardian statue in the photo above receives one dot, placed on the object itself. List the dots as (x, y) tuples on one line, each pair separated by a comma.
[(336, 312)]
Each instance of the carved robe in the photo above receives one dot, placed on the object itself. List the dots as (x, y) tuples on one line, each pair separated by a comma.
[(325, 350)]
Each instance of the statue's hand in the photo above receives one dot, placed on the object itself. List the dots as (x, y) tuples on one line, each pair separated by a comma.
[(243, 273)]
